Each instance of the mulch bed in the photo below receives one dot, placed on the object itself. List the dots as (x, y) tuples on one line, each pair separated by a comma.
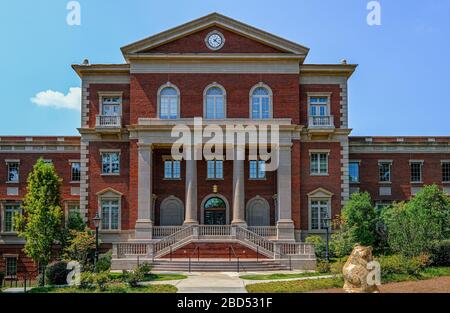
[(435, 285)]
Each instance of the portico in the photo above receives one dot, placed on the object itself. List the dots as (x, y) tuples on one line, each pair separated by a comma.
[(213, 207)]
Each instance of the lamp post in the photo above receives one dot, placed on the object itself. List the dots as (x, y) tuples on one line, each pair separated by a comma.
[(97, 220), (327, 222)]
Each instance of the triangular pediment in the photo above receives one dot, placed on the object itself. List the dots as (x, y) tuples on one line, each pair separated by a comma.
[(215, 20), (320, 193)]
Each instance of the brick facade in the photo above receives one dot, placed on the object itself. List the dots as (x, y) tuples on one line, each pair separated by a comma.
[(246, 60)]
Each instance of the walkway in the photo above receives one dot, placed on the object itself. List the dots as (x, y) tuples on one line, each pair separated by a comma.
[(208, 282)]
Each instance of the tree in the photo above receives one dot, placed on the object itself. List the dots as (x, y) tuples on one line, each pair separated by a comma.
[(417, 226), (357, 224), (40, 225), (81, 248)]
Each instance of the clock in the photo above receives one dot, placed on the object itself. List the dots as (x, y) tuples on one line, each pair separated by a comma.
[(215, 40)]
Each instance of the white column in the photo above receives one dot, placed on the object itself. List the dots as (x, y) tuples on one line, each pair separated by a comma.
[(238, 187), (191, 191), (143, 227), (285, 224)]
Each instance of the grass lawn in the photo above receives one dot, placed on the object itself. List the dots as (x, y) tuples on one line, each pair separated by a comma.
[(116, 288), (326, 283), (282, 276), (153, 277)]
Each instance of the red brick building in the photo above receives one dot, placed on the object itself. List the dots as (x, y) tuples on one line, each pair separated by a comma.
[(228, 73)]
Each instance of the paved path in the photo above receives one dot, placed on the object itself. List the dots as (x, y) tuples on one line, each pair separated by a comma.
[(207, 283)]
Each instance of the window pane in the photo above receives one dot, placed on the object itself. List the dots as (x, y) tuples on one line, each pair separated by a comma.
[(219, 169), (115, 214), (314, 163), (106, 167), (385, 172), (168, 91), (323, 163), (262, 169), (265, 108), (354, 172), (11, 267), (13, 172), (168, 169), (211, 169), (176, 169), (210, 107), (416, 172), (115, 165), (446, 172), (76, 171), (105, 214), (214, 91), (256, 109), (253, 169), (219, 108)]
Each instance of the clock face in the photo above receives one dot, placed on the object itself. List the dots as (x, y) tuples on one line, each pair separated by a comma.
[(215, 40)]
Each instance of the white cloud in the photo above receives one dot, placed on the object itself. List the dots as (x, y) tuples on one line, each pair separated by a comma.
[(58, 100)]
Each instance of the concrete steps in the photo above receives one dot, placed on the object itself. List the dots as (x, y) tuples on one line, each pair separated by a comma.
[(218, 266)]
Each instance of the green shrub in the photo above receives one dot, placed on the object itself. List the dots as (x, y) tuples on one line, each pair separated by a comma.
[(56, 273), (132, 278), (336, 266), (101, 280), (319, 245), (341, 245), (413, 226), (323, 267), (440, 253), (145, 268), (104, 262), (399, 264), (87, 280)]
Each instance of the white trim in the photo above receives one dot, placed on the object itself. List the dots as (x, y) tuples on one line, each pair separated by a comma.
[(319, 194), (111, 195), (106, 94)]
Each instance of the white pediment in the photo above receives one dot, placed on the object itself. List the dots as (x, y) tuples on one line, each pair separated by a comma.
[(215, 19), (109, 192), (320, 193)]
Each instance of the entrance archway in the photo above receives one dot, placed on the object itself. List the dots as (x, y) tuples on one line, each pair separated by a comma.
[(171, 212), (215, 210)]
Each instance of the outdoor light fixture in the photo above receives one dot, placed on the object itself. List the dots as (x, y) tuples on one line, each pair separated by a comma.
[(96, 220), (327, 222)]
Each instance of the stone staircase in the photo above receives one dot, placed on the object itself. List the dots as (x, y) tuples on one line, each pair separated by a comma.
[(272, 255)]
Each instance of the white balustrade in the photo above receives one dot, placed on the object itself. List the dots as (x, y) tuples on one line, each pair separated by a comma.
[(214, 230), (264, 231), (321, 121), (108, 121), (164, 231)]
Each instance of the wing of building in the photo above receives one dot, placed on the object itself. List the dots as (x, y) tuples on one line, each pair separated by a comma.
[(227, 73)]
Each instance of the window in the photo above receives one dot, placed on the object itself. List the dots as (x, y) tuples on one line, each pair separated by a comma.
[(8, 222), (446, 171), (168, 101), (11, 267), (172, 169), (74, 208), (110, 162), (111, 106), (215, 103), (385, 171), (76, 171), (353, 169), (257, 170), (13, 172), (319, 163), (261, 104), (318, 106), (215, 169), (416, 172), (382, 204), (110, 214), (319, 214)]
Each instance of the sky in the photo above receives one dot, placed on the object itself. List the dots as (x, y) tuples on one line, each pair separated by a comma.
[(399, 88)]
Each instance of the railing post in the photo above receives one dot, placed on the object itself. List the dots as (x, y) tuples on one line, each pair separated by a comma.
[(257, 254), (189, 264), (238, 264), (25, 284), (170, 253), (290, 263)]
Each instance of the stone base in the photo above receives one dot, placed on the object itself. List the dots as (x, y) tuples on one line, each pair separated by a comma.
[(143, 230), (285, 231)]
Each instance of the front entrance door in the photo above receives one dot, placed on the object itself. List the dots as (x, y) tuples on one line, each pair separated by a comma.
[(215, 211)]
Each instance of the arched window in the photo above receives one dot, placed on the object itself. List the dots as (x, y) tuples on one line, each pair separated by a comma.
[(215, 211), (169, 102), (215, 103), (261, 102)]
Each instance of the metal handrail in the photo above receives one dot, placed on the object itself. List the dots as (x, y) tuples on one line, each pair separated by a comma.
[(235, 255), (197, 248)]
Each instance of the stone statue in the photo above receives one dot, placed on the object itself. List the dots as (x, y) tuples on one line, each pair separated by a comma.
[(355, 271)]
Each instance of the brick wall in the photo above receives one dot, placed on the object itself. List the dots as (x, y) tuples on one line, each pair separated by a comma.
[(400, 172), (144, 88), (195, 43)]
